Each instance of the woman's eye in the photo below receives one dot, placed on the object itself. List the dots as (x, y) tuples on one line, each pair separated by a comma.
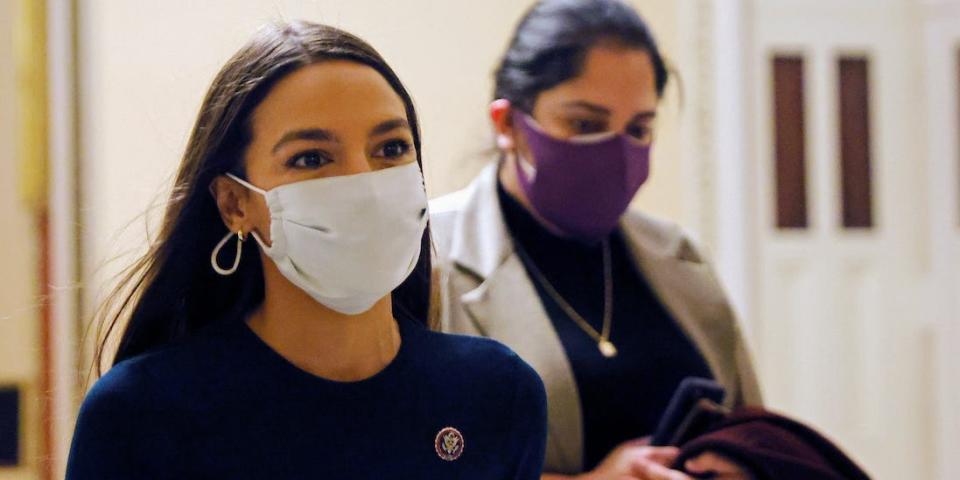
[(393, 149), (581, 127), (311, 160), (640, 132)]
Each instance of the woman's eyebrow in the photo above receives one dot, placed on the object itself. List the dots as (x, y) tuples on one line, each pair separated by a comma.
[(598, 109), (389, 126), (601, 110), (644, 116), (317, 134)]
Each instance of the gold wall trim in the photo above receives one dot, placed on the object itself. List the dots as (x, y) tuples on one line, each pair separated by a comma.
[(30, 42)]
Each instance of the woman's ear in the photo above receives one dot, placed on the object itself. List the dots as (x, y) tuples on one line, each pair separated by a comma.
[(232, 202), (500, 114)]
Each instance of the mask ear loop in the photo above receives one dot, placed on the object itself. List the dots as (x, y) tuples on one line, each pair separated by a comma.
[(524, 167), (236, 261), (247, 184)]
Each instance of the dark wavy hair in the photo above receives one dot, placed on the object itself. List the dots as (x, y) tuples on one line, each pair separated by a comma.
[(171, 291), (553, 38)]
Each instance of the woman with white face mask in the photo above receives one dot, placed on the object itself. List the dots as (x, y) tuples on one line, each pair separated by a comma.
[(304, 353), (612, 307)]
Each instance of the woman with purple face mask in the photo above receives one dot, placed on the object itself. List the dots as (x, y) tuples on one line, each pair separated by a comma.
[(612, 307)]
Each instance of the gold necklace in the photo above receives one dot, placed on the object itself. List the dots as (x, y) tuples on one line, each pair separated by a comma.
[(607, 349)]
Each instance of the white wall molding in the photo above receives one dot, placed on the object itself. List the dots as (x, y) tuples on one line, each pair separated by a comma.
[(941, 99), (63, 228), (714, 136)]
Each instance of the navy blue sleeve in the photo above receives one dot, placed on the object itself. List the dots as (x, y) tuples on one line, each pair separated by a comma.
[(529, 423), (118, 434)]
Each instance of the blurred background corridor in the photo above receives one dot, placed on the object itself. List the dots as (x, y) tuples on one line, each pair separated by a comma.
[(813, 146)]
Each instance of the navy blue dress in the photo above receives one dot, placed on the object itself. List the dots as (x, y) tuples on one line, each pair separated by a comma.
[(225, 405)]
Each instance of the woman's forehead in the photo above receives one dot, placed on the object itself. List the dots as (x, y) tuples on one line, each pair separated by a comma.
[(336, 95), (616, 78)]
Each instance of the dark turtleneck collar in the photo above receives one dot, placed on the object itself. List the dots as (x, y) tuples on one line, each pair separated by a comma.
[(539, 241)]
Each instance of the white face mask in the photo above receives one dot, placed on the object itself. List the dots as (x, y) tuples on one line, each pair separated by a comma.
[(350, 240)]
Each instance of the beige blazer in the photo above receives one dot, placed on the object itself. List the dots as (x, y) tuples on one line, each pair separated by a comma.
[(485, 291)]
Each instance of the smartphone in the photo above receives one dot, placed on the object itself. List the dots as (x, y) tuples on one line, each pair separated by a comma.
[(690, 392)]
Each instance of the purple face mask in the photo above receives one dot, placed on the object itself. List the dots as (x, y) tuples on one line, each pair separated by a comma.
[(582, 185)]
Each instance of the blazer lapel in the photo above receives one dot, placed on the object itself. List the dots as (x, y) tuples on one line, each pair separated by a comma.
[(685, 285), (505, 306)]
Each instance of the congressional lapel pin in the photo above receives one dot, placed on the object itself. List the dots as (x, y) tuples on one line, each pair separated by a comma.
[(449, 444)]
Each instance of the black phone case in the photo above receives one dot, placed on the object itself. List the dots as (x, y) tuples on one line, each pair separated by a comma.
[(690, 391)]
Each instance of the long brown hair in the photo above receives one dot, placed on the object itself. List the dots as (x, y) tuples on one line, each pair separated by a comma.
[(171, 291)]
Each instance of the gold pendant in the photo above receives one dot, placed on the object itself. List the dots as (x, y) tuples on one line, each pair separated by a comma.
[(607, 348)]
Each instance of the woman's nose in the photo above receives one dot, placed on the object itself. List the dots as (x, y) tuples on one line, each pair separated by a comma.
[(357, 162)]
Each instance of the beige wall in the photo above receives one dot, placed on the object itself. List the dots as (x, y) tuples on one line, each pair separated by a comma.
[(667, 192), (19, 347), (146, 64)]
